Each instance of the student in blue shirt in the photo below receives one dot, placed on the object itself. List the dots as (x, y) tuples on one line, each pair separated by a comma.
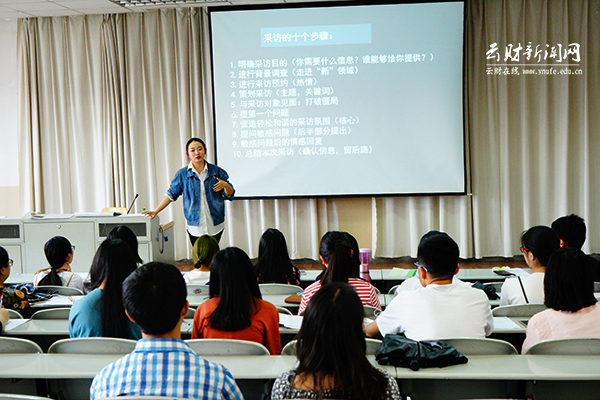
[(161, 364)]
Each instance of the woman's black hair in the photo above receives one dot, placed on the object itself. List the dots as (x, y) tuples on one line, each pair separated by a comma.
[(541, 241), (355, 252), (125, 234), (331, 345), (274, 264), (233, 281), (112, 263), (568, 281), (3, 257), (336, 250), (195, 139), (57, 250)]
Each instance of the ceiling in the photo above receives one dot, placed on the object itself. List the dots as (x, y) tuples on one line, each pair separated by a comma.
[(14, 9)]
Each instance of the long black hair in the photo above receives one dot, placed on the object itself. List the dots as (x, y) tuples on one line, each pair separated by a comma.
[(233, 281), (336, 250), (126, 234), (274, 264), (113, 262), (569, 281), (56, 250), (331, 345)]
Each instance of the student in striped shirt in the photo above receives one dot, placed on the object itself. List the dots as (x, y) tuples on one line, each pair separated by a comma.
[(162, 364), (337, 256)]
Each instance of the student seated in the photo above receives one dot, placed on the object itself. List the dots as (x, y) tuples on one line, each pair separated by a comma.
[(340, 266), (235, 309), (125, 234), (569, 295), (572, 232), (440, 309), (274, 264), (537, 244), (11, 298), (203, 252), (161, 364), (101, 312), (331, 353), (59, 254)]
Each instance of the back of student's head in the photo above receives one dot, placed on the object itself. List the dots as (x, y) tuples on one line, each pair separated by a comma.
[(126, 234), (541, 241), (336, 250), (154, 296), (355, 252), (204, 250), (57, 249), (331, 344), (112, 263), (274, 265), (233, 281), (438, 252), (568, 281), (571, 229)]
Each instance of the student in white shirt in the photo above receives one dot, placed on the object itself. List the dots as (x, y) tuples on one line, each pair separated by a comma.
[(537, 244), (572, 309), (59, 253), (441, 308)]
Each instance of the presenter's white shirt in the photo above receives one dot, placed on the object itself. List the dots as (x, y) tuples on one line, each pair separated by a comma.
[(205, 222), (438, 312), (414, 283), (511, 292), (196, 277)]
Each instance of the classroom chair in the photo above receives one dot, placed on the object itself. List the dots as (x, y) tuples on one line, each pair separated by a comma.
[(393, 289), (52, 313), (190, 313), (482, 347), (93, 345), (283, 310), (227, 347), (567, 347), (12, 345), (279, 288), (11, 396), (371, 312), (62, 290), (13, 314), (372, 346), (518, 310)]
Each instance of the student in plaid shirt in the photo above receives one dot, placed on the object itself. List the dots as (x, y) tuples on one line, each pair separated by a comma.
[(162, 364)]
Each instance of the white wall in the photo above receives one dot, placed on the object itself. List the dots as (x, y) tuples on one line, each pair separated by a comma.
[(9, 172)]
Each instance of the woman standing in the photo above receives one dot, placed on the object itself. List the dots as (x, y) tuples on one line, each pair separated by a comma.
[(204, 187)]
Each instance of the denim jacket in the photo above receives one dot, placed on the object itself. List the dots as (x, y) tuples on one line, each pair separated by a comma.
[(187, 183)]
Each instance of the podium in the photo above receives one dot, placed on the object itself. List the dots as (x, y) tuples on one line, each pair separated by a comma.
[(24, 238)]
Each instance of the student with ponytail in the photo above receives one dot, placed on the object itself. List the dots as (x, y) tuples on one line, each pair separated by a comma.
[(337, 256), (59, 253)]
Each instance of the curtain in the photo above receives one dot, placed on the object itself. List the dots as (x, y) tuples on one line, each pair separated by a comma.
[(107, 104)]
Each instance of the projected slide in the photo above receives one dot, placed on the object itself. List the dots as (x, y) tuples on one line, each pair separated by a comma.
[(340, 100)]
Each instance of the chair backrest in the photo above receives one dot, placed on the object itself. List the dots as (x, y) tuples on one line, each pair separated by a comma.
[(190, 313), (567, 347), (122, 210), (596, 287), (52, 313), (17, 345), (7, 396), (63, 290), (279, 288), (14, 314), (93, 345), (518, 310), (371, 312), (372, 346), (283, 310), (227, 347), (482, 347), (197, 289), (393, 289)]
